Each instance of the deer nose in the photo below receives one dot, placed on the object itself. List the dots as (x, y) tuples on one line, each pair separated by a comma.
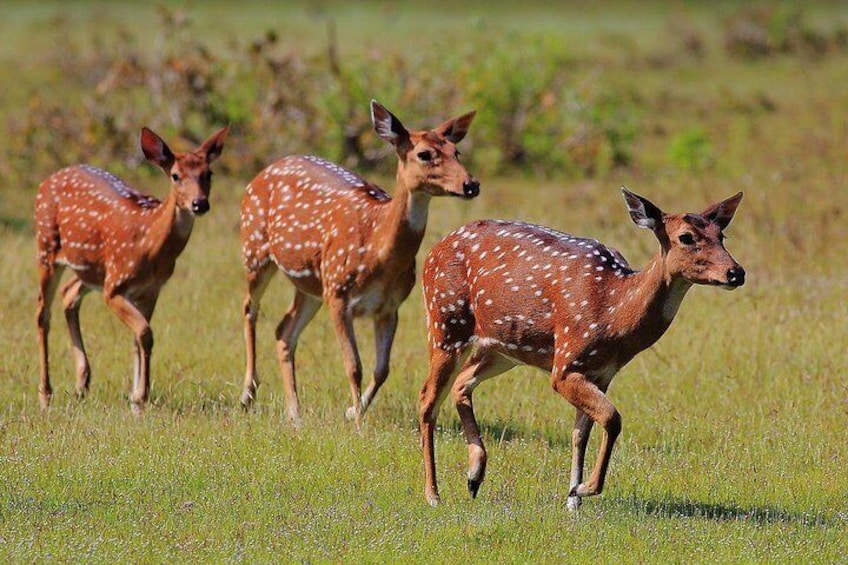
[(736, 276), (471, 188), (200, 206)]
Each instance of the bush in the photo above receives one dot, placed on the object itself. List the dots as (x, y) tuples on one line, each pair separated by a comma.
[(691, 150), (278, 101), (764, 30)]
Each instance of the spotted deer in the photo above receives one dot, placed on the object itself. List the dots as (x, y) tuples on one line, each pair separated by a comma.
[(342, 241), (504, 293), (119, 241)]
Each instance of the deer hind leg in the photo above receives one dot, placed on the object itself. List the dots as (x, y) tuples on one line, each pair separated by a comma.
[(591, 400), (579, 441), (49, 276), (138, 322), (257, 283), (384, 335), (303, 309), (72, 294), (443, 370), (482, 365)]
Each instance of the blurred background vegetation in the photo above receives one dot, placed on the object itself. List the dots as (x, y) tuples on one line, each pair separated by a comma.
[(81, 78)]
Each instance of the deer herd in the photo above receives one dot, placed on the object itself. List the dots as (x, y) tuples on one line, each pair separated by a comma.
[(497, 293)]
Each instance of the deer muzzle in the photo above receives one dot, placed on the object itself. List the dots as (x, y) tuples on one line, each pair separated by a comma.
[(470, 188), (735, 277), (199, 206)]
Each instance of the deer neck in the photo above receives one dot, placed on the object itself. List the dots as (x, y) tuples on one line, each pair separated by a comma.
[(170, 228), (399, 233), (652, 297)]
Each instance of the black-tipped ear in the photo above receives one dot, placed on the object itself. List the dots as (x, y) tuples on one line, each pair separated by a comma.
[(722, 212), (455, 130), (213, 146), (387, 126), (155, 150), (642, 211)]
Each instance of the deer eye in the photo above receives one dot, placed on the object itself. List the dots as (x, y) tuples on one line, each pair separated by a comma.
[(686, 239), (176, 177), (425, 156)]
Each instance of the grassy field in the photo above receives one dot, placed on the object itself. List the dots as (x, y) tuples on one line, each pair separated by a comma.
[(733, 447)]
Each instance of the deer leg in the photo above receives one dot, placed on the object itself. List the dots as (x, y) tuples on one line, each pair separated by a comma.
[(48, 283), (136, 320), (384, 335), (587, 397), (72, 295), (483, 364), (257, 283), (343, 324), (301, 312), (443, 365), (579, 441)]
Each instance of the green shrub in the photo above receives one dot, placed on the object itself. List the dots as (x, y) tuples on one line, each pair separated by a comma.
[(691, 150), (534, 113)]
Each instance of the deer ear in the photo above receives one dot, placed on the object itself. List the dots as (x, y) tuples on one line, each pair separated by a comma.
[(213, 146), (642, 211), (455, 130), (388, 126), (155, 150), (722, 212)]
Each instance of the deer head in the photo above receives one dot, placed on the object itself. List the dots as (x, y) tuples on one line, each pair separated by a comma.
[(428, 159), (191, 178), (692, 244)]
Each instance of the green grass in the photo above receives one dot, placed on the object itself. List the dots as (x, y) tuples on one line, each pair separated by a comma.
[(733, 447)]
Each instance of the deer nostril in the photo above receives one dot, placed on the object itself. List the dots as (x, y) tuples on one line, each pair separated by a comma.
[(471, 188), (200, 206), (736, 276)]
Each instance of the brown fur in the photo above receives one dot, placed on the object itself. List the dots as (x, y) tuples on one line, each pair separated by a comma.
[(344, 242), (118, 240), (526, 294)]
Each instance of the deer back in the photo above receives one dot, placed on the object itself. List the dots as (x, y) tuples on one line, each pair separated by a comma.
[(314, 219), (88, 219), (526, 290)]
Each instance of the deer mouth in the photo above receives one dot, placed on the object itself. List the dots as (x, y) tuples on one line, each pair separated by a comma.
[(726, 285)]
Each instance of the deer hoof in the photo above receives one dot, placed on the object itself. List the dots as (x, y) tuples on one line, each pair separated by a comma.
[(433, 499), (44, 399), (473, 487), (246, 400), (573, 503), (295, 421)]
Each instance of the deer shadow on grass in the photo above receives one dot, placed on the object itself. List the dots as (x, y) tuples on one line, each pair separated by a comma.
[(721, 512)]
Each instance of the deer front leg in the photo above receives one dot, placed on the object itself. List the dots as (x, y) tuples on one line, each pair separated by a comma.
[(72, 295), (48, 283), (586, 396), (301, 312), (484, 364), (579, 441), (343, 324), (384, 335), (133, 317), (257, 282), (442, 372)]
